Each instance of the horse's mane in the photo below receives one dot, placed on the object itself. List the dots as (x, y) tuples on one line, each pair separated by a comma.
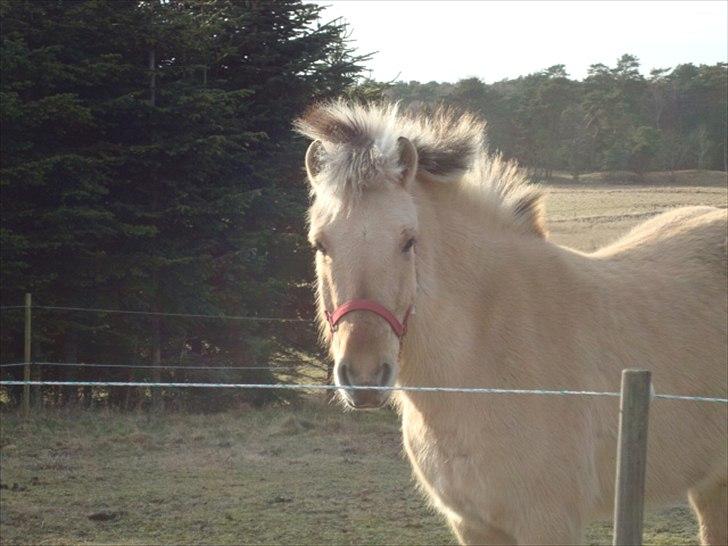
[(360, 150)]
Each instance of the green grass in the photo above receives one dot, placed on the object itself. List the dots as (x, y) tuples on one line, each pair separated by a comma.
[(297, 475)]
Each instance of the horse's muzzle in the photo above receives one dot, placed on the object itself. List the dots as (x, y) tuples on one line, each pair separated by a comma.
[(364, 398)]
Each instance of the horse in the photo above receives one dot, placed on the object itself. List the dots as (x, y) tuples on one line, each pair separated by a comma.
[(434, 268)]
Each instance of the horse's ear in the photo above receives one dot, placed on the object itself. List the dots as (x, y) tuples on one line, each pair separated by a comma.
[(313, 161), (407, 160)]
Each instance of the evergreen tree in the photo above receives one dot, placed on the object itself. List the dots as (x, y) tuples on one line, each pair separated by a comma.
[(148, 165)]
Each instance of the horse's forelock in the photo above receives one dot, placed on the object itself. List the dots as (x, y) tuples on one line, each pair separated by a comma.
[(358, 144), (360, 139)]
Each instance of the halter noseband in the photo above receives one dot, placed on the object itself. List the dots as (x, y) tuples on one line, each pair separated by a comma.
[(399, 328)]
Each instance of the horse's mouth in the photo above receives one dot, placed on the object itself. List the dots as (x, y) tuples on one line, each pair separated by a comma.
[(364, 399)]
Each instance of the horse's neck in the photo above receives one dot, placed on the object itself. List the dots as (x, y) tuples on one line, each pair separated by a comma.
[(475, 279)]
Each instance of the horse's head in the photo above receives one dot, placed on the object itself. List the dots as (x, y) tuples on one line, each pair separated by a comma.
[(363, 226), (365, 261)]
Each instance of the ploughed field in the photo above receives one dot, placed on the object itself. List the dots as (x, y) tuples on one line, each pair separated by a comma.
[(309, 474), (590, 215)]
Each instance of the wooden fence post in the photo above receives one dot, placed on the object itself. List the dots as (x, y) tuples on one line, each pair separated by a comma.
[(156, 361), (27, 356), (629, 486)]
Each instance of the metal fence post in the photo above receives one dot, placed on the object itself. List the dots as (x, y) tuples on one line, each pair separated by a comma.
[(631, 457), (27, 355)]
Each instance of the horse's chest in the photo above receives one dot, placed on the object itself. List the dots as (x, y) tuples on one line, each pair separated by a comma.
[(443, 466)]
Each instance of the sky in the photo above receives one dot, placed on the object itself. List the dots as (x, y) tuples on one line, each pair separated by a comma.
[(450, 40)]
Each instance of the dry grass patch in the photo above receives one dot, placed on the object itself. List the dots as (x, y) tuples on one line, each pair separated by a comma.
[(306, 475)]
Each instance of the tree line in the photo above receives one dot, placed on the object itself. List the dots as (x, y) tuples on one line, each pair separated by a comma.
[(148, 163), (615, 119)]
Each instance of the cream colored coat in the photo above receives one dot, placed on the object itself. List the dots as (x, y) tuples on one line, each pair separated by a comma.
[(498, 305), (525, 313)]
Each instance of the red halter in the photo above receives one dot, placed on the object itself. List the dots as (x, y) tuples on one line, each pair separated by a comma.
[(400, 328)]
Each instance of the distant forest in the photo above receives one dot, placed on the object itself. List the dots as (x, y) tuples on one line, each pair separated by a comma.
[(614, 120), (148, 164)]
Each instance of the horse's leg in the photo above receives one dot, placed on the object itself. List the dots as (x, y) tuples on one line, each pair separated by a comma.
[(470, 534), (710, 503)]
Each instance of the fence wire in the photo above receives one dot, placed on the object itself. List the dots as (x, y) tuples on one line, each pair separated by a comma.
[(284, 386), (278, 386), (149, 366), (157, 313)]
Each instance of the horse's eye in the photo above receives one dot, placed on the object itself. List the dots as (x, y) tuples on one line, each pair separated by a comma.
[(319, 247), (408, 245)]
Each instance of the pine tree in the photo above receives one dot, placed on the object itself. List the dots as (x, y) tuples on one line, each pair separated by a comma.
[(149, 164)]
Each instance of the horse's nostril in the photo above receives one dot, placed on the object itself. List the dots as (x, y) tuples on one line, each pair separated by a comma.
[(344, 377), (386, 374)]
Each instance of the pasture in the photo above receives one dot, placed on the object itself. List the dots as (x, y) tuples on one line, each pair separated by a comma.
[(282, 475)]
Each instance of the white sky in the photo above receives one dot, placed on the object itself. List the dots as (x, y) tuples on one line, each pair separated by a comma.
[(450, 40)]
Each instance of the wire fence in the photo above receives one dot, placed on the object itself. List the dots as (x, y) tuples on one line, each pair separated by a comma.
[(315, 386), (150, 366), (157, 313), (174, 371), (271, 386)]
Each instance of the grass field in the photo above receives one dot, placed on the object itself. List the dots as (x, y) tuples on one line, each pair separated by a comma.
[(274, 476), (310, 474)]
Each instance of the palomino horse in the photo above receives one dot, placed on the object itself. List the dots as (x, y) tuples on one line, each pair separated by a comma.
[(417, 227)]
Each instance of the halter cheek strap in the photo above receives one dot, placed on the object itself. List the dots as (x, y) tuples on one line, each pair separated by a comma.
[(399, 328)]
